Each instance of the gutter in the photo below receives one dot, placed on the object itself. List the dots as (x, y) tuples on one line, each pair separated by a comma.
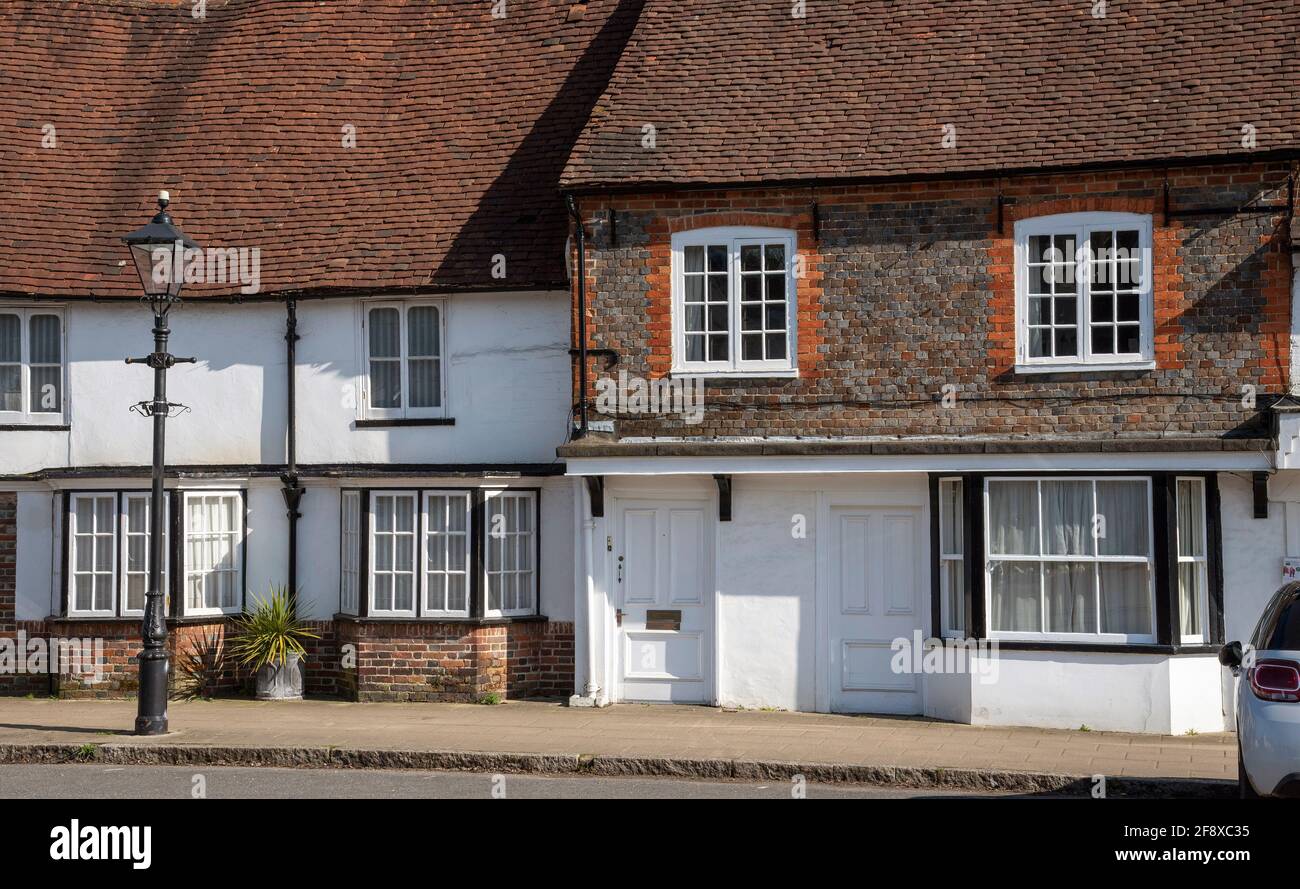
[(576, 215), (293, 490)]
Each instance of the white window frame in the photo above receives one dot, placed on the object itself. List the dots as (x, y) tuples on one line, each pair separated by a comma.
[(1098, 638), (948, 555), (426, 533), (237, 552), (416, 554), (403, 307), (734, 237), (1203, 561), (350, 552), (26, 416), (73, 533), (121, 557), (530, 498), (147, 497), (1081, 225)]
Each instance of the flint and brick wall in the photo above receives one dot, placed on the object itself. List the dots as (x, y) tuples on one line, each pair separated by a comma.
[(910, 288)]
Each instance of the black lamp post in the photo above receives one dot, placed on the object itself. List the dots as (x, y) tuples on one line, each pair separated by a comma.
[(158, 250)]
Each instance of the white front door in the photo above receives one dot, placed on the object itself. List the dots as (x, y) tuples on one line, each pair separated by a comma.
[(664, 596), (875, 571)]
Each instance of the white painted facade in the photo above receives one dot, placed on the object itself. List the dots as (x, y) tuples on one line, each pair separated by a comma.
[(506, 369), (783, 639)]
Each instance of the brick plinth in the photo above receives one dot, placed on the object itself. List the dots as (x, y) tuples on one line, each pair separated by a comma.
[(432, 661)]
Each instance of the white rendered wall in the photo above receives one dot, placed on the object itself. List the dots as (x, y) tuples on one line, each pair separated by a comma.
[(507, 368), (36, 546)]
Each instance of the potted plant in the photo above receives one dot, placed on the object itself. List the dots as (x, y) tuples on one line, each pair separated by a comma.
[(268, 638)]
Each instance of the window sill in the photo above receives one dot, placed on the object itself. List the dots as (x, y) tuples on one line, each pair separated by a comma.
[(464, 621), (138, 618), (1153, 648), (1079, 367), (678, 373), (398, 422), (34, 427)]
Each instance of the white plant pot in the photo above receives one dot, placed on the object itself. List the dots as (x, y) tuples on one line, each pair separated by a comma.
[(281, 682)]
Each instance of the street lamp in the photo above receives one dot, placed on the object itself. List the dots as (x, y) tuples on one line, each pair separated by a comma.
[(158, 251)]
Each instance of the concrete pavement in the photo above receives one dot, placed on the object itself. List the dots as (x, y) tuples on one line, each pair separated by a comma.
[(529, 736)]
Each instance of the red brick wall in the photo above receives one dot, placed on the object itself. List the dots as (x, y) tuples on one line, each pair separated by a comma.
[(910, 288), (431, 661)]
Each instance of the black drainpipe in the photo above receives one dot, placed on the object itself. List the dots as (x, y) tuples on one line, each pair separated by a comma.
[(582, 315), (292, 488)]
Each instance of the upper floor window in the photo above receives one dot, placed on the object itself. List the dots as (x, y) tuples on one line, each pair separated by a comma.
[(31, 365), (1083, 292), (403, 359), (734, 302)]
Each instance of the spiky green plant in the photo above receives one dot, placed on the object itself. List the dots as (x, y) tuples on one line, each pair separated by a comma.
[(269, 632)]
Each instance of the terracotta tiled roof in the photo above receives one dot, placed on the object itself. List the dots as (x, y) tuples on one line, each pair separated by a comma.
[(463, 123), (864, 88)]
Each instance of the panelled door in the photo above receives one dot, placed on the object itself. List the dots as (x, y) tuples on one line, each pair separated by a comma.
[(663, 593), (874, 580)]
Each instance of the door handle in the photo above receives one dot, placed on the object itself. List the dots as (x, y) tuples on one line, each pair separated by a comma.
[(618, 616), (620, 569)]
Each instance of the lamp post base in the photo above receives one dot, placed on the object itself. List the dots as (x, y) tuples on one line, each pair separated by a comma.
[(151, 718)]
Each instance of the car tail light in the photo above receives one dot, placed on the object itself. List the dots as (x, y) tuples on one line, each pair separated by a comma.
[(1275, 680)]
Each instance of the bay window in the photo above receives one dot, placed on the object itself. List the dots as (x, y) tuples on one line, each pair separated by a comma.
[(439, 553), (1077, 559)]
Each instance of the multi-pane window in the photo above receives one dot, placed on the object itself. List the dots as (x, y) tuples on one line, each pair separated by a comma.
[(511, 548), (734, 301), (31, 364), (404, 359), (1084, 289), (446, 553), (350, 569), (1069, 558), (135, 550), (92, 558), (952, 575), (108, 553), (392, 553), (213, 555), (440, 553), (1193, 579)]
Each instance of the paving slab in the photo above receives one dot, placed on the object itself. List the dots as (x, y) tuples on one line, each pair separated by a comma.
[(315, 731)]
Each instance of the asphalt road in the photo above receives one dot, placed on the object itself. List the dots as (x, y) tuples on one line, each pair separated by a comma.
[(175, 782)]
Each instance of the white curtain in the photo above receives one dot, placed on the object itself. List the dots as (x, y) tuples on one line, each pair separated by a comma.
[(1013, 518), (1015, 590), (1191, 544), (1123, 507)]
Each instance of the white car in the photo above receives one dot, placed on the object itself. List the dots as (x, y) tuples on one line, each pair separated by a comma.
[(1268, 700)]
